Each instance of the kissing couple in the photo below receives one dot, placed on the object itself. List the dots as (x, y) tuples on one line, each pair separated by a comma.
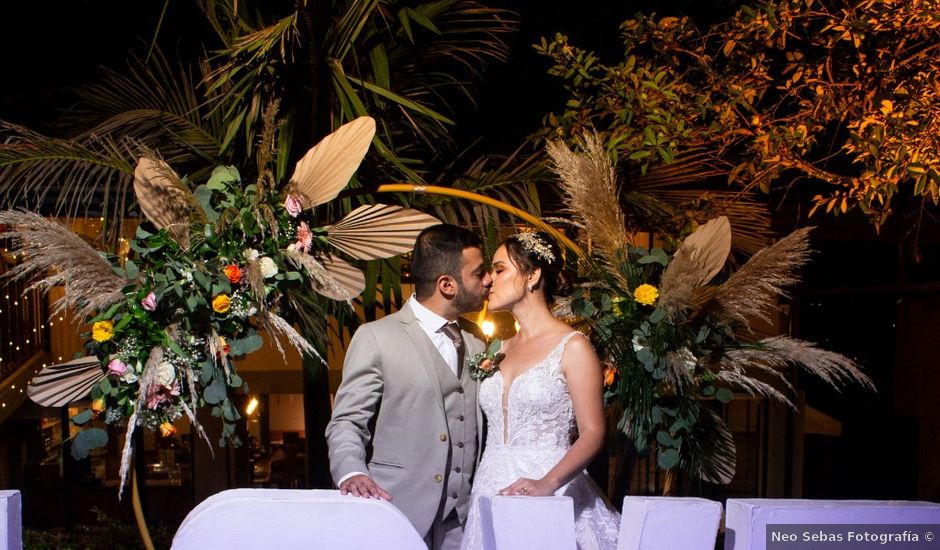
[(408, 416)]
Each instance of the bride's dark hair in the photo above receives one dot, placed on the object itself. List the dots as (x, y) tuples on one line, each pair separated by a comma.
[(529, 251)]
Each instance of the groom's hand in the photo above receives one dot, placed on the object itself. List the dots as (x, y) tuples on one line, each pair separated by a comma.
[(363, 486)]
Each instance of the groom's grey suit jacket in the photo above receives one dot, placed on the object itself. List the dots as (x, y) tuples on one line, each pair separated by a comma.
[(423, 447)]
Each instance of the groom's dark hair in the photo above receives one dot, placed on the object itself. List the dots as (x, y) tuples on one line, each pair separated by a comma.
[(439, 251)]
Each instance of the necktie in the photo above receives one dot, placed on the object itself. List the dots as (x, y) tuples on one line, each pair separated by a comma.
[(452, 330)]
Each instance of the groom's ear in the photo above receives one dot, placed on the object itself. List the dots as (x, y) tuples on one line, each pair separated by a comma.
[(447, 286)]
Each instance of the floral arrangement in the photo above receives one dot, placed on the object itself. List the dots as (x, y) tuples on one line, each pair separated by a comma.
[(224, 260), (675, 336), (486, 363)]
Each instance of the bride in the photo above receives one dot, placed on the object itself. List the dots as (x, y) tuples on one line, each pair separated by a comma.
[(546, 393)]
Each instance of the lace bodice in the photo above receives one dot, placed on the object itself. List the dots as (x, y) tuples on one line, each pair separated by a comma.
[(527, 438), (538, 412)]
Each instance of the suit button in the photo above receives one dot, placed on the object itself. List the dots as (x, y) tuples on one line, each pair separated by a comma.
[(460, 418), (454, 494), (460, 444), (438, 478), (460, 390), (443, 437), (457, 469)]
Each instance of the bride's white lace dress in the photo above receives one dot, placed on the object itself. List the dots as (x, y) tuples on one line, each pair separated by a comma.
[(527, 439)]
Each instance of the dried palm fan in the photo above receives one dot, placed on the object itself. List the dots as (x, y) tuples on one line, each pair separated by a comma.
[(696, 262), (164, 199), (59, 385), (328, 166), (349, 280), (378, 231)]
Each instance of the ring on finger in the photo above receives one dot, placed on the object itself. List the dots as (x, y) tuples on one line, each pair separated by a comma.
[(524, 490)]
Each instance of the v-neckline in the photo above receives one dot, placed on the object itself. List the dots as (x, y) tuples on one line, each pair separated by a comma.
[(505, 390)]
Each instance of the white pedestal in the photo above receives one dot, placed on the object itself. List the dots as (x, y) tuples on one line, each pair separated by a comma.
[(669, 523), (524, 523), (288, 519), (11, 521)]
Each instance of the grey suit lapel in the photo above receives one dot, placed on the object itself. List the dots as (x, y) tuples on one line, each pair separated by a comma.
[(439, 374)]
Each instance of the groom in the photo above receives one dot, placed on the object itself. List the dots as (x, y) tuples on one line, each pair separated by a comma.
[(404, 424)]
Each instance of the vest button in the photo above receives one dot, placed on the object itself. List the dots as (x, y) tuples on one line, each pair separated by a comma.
[(460, 390), (460, 444), (438, 478), (460, 418), (454, 494), (443, 437), (457, 469)]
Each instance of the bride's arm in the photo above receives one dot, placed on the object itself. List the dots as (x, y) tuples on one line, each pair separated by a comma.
[(582, 371)]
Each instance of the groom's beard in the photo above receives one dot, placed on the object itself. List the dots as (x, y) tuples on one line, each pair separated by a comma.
[(465, 301)]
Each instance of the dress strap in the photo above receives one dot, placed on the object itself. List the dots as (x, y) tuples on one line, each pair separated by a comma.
[(560, 350)]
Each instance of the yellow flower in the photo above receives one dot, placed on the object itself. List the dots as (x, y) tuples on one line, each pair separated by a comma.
[(167, 429), (98, 406), (221, 303), (645, 294), (102, 331)]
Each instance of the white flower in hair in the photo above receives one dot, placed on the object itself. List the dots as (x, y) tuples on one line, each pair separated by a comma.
[(533, 242)]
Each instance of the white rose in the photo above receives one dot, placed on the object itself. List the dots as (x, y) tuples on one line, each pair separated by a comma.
[(166, 373), (250, 254), (268, 267)]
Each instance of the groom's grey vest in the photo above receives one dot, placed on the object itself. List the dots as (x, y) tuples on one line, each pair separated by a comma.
[(460, 407)]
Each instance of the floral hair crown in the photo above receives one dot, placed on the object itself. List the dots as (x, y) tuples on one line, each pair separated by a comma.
[(533, 242)]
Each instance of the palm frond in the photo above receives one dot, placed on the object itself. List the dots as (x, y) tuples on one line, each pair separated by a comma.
[(67, 177), (155, 104)]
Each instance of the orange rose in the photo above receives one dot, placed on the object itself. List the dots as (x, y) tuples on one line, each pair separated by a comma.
[(486, 365), (233, 273), (167, 429), (610, 374)]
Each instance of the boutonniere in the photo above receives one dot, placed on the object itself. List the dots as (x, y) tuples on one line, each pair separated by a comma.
[(484, 364)]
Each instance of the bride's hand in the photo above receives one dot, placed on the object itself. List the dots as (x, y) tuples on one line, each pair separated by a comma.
[(528, 488)]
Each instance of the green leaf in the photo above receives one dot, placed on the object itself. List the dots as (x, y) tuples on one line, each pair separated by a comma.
[(105, 386), (222, 175), (244, 346), (235, 380), (667, 459), (658, 315), (87, 439), (229, 412), (130, 268), (215, 392), (82, 417), (202, 279), (724, 395)]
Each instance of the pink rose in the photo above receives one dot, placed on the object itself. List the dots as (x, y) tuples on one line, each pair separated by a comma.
[(304, 237), (150, 302), (117, 367), (293, 205)]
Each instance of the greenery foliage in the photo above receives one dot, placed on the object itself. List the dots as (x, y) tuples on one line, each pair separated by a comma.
[(839, 92)]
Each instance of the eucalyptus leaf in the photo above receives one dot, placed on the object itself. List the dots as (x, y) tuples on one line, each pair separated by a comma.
[(130, 269), (215, 392), (658, 315), (82, 417), (724, 395), (87, 439), (667, 459), (244, 346)]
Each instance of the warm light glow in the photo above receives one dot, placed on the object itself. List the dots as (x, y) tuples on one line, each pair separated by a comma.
[(517, 326), (488, 328), (252, 406)]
